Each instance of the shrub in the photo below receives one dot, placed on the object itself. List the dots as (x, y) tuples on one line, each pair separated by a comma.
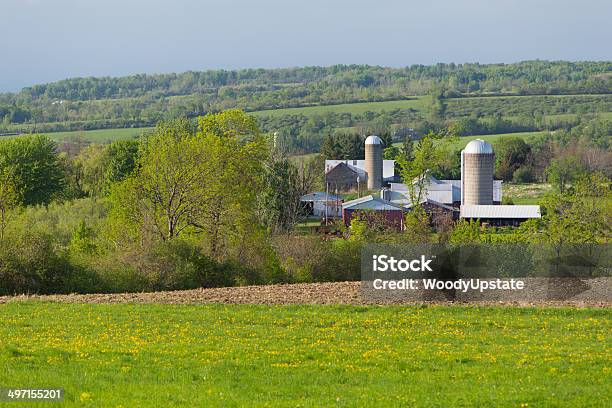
[(30, 264), (523, 175), (309, 259)]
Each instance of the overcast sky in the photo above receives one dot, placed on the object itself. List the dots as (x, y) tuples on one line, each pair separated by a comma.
[(48, 40)]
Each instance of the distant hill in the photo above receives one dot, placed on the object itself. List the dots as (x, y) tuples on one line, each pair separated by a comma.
[(143, 100)]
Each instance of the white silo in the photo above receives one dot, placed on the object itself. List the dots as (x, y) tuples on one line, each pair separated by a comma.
[(374, 162), (477, 163)]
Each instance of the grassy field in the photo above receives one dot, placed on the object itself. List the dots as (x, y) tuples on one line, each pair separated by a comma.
[(530, 193), (461, 142), (100, 136), (221, 355), (417, 102)]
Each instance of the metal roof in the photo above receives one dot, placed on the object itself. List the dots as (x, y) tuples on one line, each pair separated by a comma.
[(320, 196), (478, 146), (500, 211), (388, 166), (371, 203), (447, 191), (374, 140)]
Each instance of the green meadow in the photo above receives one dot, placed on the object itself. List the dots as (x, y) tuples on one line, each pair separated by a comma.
[(418, 103), (100, 135), (229, 355), (461, 142)]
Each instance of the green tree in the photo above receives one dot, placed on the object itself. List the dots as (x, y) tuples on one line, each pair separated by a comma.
[(9, 199), (231, 123), (86, 171), (466, 232), (563, 171), (416, 226), (36, 169), (510, 154), (280, 206), (194, 184), (343, 146), (415, 172), (167, 195), (122, 160)]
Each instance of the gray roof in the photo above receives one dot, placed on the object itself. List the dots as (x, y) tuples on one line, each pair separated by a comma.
[(500, 211), (371, 203), (447, 191), (320, 196)]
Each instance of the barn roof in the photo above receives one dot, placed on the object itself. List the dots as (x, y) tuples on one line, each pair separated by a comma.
[(320, 196), (447, 191), (500, 211), (371, 203)]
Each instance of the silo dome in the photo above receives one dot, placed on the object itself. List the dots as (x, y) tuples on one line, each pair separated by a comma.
[(478, 146), (373, 140)]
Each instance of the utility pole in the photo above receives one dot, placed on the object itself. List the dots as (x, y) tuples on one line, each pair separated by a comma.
[(326, 199)]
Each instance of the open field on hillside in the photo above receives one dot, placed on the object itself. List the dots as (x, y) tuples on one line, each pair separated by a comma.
[(96, 136), (249, 355), (530, 193), (101, 135), (528, 104), (460, 142), (463, 141), (416, 102), (460, 106)]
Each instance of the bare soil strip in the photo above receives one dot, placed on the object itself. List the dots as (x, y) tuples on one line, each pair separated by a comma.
[(335, 293)]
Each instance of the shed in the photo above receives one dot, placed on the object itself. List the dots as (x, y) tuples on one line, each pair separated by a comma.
[(500, 215), (315, 204)]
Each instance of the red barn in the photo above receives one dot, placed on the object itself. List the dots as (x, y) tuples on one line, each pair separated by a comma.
[(374, 207)]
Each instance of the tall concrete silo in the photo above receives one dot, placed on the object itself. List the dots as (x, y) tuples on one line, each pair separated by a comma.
[(477, 163), (374, 162)]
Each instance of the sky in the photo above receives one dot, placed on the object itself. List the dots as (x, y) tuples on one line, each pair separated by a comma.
[(48, 40)]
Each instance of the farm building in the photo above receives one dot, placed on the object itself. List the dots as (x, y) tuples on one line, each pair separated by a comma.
[(343, 176), (447, 192), (317, 203), (500, 215), (371, 206), (370, 173), (477, 195), (431, 206)]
